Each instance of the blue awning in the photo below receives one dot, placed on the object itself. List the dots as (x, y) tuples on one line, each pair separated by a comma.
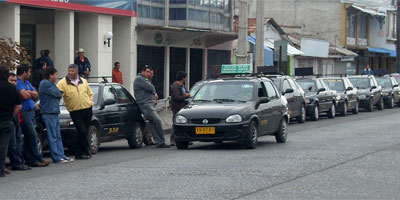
[(268, 53), (382, 50)]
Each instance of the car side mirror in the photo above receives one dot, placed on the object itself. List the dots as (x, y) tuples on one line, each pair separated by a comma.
[(395, 86), (262, 100), (349, 88), (321, 90), (288, 91), (373, 87), (107, 102)]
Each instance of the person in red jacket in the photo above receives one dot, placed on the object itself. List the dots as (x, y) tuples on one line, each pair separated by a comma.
[(117, 74)]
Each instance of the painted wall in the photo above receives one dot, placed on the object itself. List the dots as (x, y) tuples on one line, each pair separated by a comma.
[(11, 26), (377, 35)]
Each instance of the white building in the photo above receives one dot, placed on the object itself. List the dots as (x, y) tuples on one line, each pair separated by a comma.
[(168, 35)]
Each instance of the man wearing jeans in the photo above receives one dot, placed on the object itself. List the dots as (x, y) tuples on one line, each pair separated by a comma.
[(28, 94), (145, 98), (50, 107), (8, 108), (78, 98)]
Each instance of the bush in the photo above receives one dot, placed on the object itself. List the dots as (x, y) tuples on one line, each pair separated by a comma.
[(12, 53)]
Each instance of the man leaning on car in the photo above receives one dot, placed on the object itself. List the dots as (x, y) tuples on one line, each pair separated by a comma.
[(78, 98)]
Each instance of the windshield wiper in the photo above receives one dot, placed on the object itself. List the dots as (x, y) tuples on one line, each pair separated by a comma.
[(228, 100), (201, 100)]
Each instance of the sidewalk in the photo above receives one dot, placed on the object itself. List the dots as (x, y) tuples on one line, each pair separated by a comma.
[(165, 114)]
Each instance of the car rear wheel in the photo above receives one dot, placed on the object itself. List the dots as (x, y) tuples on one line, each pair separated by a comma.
[(252, 136), (380, 104), (344, 109), (302, 117), (281, 134), (391, 102), (94, 139), (356, 108), (315, 113), (370, 106), (182, 145), (332, 111), (135, 140)]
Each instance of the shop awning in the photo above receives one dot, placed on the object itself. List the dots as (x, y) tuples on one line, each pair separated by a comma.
[(369, 11), (341, 51), (391, 53), (268, 53), (111, 7), (291, 50)]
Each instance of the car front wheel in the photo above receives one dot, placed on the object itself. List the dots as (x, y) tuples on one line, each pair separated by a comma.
[(182, 145), (315, 113), (302, 117), (332, 111), (370, 105), (281, 134), (380, 104), (252, 136), (94, 139), (356, 108), (391, 102), (135, 140)]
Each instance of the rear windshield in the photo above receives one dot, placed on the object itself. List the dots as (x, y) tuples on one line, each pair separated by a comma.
[(307, 85), (360, 83), (335, 84)]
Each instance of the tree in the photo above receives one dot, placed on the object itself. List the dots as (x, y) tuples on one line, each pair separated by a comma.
[(12, 53)]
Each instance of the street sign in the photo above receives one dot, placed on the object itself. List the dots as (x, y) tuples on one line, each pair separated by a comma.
[(280, 50), (236, 69)]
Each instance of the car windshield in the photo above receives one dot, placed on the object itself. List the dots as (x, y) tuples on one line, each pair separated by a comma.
[(397, 79), (384, 82), (307, 85), (225, 92), (360, 83), (335, 84), (195, 88)]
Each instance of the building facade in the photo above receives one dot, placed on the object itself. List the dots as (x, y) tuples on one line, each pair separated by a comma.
[(168, 35)]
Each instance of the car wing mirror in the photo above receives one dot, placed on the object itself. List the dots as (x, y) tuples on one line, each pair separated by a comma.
[(395, 86), (107, 102), (349, 88), (373, 87), (288, 91), (321, 90), (262, 100)]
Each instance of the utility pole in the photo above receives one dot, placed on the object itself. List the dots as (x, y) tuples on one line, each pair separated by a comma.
[(397, 68), (242, 43), (259, 35)]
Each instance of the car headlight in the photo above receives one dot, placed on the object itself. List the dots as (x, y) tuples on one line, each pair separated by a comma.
[(179, 119), (234, 119), (67, 123), (307, 101), (338, 98)]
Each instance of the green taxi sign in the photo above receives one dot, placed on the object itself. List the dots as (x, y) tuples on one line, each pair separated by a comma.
[(236, 69)]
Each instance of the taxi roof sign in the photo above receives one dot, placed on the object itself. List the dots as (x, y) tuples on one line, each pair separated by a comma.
[(236, 69)]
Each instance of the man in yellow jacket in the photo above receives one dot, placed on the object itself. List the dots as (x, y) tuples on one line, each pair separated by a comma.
[(78, 99)]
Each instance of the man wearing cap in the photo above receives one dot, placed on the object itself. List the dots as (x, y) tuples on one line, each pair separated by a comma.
[(83, 64)]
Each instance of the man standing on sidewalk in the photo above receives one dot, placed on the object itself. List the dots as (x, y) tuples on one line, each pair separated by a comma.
[(15, 147), (9, 106), (28, 94), (117, 74), (50, 107), (78, 98), (145, 97), (178, 96)]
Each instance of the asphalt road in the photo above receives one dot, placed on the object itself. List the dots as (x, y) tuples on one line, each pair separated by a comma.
[(353, 157)]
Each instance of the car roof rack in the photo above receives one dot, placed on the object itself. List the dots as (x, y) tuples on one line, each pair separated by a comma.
[(98, 77)]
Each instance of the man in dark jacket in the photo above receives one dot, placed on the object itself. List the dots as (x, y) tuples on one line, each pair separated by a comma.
[(37, 75), (178, 96), (83, 63), (9, 107)]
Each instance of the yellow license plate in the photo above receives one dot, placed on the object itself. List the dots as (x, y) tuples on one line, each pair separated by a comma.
[(205, 130)]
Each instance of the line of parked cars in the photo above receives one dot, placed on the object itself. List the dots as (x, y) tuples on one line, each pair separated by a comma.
[(237, 109)]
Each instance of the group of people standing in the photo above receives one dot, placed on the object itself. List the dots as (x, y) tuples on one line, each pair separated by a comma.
[(17, 111)]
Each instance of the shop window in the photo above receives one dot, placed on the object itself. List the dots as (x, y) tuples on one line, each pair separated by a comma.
[(177, 1), (144, 11)]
